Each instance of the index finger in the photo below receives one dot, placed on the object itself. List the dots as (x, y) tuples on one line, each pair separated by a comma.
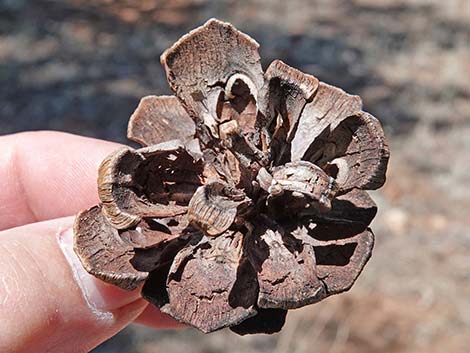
[(46, 175)]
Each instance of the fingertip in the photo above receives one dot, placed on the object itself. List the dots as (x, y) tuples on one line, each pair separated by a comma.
[(48, 168), (153, 317), (41, 293)]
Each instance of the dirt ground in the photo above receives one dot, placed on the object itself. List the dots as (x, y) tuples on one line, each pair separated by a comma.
[(82, 65)]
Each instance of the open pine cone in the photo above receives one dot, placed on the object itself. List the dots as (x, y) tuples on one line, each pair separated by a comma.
[(247, 198)]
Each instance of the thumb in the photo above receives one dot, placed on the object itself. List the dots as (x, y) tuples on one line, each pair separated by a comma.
[(48, 303)]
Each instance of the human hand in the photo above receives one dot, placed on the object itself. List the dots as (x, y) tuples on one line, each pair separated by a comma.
[(48, 303)]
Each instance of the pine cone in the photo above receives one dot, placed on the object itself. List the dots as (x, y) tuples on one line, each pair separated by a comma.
[(247, 198)]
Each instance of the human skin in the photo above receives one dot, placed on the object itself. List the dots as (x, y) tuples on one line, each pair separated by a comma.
[(48, 303)]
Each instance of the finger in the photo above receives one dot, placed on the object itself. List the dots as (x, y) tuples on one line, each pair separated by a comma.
[(153, 317), (46, 175), (48, 302)]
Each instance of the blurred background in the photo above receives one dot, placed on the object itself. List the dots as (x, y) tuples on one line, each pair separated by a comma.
[(82, 65)]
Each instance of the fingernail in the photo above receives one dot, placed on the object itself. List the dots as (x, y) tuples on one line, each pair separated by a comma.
[(100, 296)]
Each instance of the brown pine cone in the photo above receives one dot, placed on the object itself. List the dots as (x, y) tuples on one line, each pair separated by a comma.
[(247, 198)]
